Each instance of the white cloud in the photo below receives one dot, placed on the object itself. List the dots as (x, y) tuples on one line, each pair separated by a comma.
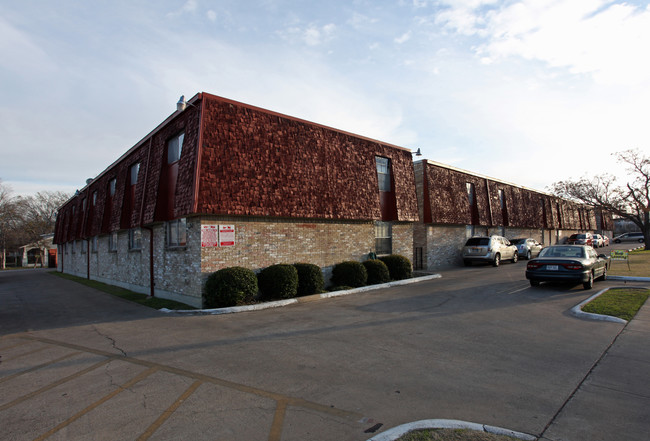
[(311, 35), (21, 53), (403, 38), (595, 37)]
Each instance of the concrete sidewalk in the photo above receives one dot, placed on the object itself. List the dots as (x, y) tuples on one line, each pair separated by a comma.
[(613, 402)]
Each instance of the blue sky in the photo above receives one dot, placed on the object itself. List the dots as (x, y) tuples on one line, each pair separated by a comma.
[(530, 92)]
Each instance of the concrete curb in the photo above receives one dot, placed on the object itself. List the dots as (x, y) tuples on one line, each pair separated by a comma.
[(305, 299), (396, 432), (628, 279), (578, 312)]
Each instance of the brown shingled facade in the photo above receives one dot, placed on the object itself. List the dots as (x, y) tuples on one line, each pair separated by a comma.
[(291, 190)]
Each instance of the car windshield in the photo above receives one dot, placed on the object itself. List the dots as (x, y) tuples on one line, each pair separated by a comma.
[(563, 252), (581, 236), (474, 241), (517, 241)]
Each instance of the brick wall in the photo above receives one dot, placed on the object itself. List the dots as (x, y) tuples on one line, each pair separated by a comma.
[(261, 242)]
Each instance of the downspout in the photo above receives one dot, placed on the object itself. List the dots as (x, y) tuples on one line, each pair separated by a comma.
[(150, 229), (199, 151), (88, 258)]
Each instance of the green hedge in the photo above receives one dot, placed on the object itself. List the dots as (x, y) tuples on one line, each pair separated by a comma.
[(310, 279), (350, 273), (229, 287), (278, 282), (377, 272), (399, 267)]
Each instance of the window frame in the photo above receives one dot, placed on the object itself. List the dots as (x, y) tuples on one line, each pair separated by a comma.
[(382, 165), (176, 233), (135, 239), (383, 238), (175, 142), (112, 242)]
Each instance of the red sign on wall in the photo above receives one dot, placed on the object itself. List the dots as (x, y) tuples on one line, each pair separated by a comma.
[(209, 236), (226, 235)]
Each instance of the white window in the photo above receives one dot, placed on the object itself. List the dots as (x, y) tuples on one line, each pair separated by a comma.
[(135, 239), (383, 238), (111, 187), (383, 173), (112, 242), (134, 171), (177, 232), (84, 246), (175, 148)]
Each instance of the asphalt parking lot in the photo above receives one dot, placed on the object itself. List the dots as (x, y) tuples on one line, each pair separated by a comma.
[(477, 345)]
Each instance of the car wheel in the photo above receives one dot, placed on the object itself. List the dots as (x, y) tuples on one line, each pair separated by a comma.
[(534, 283), (497, 260), (617, 241), (515, 258), (528, 255), (641, 240), (467, 263), (589, 283)]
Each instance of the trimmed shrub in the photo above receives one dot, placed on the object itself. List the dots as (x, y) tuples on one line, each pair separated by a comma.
[(377, 272), (399, 267), (278, 282), (350, 273), (310, 279), (229, 287)]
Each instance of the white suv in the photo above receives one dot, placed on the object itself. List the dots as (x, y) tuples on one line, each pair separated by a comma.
[(491, 249)]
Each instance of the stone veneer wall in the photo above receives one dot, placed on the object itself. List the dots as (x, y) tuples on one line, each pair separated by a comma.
[(175, 268)]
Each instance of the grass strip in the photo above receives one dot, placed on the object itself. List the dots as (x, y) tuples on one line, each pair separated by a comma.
[(618, 302), (142, 299), (453, 435)]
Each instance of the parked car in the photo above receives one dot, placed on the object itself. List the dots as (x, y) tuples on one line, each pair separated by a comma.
[(527, 247), (605, 241), (581, 239), (568, 263), (629, 237), (492, 249), (597, 241)]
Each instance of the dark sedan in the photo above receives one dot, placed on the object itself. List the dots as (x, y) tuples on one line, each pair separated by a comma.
[(567, 263)]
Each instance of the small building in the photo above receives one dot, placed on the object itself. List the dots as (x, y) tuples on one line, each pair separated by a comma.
[(42, 253), (219, 184)]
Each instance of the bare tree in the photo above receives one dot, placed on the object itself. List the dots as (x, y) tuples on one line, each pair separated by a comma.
[(5, 208), (38, 217), (630, 201), (26, 219)]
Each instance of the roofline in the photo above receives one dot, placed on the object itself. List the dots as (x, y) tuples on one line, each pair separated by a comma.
[(304, 121), (134, 148), (478, 175)]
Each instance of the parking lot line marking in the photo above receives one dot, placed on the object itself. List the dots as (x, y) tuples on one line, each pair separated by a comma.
[(518, 290), (25, 354), (295, 402), (35, 368), (278, 421), (141, 376), (53, 385), (17, 345), (170, 410)]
